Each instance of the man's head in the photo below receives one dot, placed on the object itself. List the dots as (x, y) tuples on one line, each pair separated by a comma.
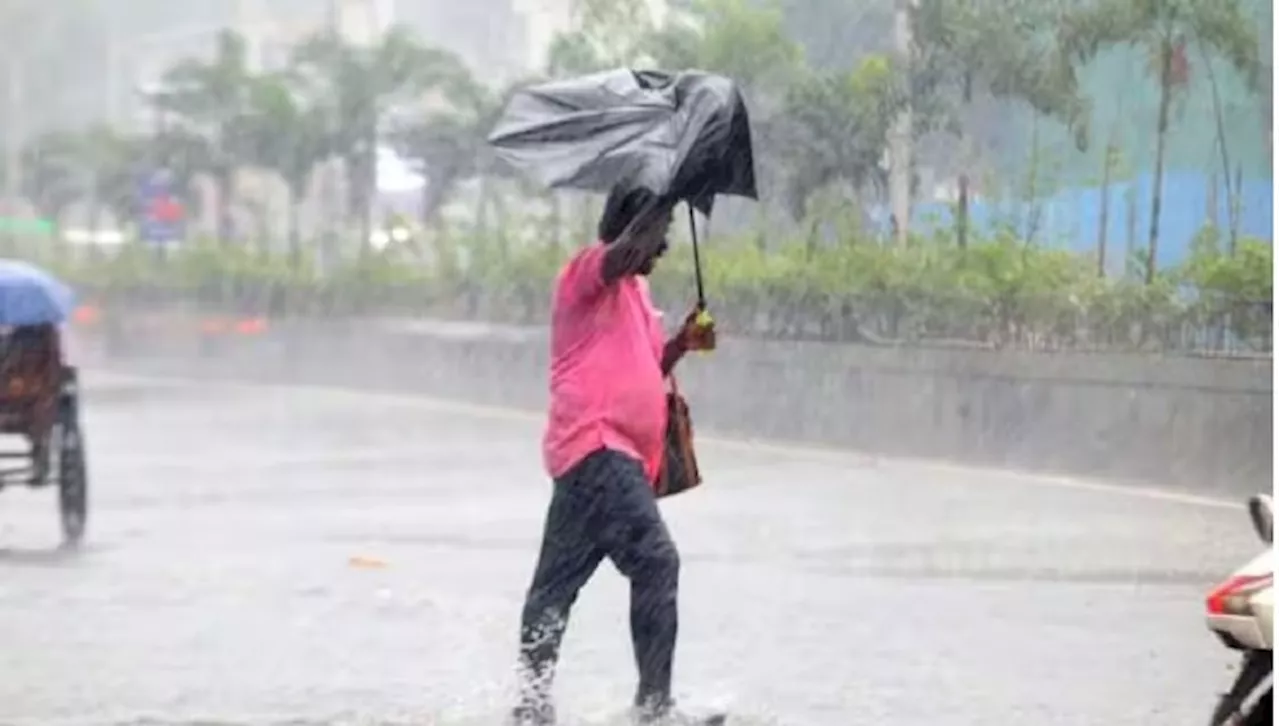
[(650, 214)]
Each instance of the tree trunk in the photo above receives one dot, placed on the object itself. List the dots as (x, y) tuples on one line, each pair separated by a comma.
[(1162, 129), (222, 221), (1033, 204), (1211, 202), (359, 173), (437, 189), (482, 213), (359, 209), (14, 123), (369, 179), (811, 239), (557, 221), (368, 183), (1236, 208), (962, 206), (901, 131), (1130, 229), (295, 234), (95, 216), (1105, 208), (1232, 228), (1110, 161), (428, 212)]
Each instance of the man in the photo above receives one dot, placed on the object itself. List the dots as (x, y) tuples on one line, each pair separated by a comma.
[(33, 359), (603, 447)]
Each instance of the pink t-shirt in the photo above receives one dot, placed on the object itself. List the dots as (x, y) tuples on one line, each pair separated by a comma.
[(607, 388)]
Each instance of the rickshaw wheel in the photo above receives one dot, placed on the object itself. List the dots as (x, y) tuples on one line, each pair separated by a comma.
[(73, 486), (70, 469)]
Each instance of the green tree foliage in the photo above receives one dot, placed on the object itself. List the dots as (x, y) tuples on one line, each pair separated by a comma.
[(820, 115), (604, 34), (833, 131), (447, 144), (997, 47), (744, 40), (1163, 29), (53, 175), (1233, 287), (220, 116), (112, 162), (998, 293), (210, 98), (359, 86), (96, 166), (813, 128), (281, 132), (836, 34)]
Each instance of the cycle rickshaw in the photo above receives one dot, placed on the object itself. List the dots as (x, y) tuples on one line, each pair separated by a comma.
[(39, 394)]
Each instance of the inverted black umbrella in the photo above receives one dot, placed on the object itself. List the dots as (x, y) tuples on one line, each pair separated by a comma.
[(683, 136)]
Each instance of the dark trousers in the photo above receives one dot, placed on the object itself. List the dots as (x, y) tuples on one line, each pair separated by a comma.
[(604, 506)]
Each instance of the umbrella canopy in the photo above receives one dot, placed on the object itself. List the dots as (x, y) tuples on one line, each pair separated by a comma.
[(684, 135), (31, 296)]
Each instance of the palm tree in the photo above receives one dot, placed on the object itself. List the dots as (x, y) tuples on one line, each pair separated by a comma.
[(96, 165), (834, 129), (605, 34), (741, 39), (53, 174), (448, 146), (211, 98), (966, 46), (282, 133), (109, 161), (361, 84), (1163, 28), (443, 148)]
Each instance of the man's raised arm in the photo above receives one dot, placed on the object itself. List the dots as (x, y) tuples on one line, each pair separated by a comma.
[(638, 244)]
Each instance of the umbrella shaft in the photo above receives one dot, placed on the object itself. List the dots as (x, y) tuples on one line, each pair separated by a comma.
[(697, 261)]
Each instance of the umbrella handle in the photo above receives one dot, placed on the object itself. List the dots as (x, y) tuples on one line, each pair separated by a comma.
[(697, 264), (703, 318)]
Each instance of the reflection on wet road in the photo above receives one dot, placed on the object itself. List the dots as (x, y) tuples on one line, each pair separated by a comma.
[(218, 581)]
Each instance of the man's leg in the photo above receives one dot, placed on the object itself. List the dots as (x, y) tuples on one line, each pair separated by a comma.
[(636, 539), (567, 559)]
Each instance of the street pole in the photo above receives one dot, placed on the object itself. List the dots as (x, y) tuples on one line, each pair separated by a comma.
[(330, 198), (14, 134), (900, 132), (113, 69)]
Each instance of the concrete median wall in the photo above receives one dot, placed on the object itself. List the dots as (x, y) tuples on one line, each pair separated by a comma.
[(1203, 425)]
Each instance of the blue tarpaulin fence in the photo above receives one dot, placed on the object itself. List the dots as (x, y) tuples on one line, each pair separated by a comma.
[(1069, 218)]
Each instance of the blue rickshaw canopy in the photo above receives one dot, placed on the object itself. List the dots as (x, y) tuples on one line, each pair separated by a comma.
[(32, 296)]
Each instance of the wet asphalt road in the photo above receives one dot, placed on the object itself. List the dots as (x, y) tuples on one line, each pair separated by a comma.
[(818, 589)]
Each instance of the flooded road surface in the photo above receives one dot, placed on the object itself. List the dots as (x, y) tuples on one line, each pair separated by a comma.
[(262, 555)]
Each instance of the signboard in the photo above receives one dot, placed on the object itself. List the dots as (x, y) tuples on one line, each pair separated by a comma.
[(161, 215)]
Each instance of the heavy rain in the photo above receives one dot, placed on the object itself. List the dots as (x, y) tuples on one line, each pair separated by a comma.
[(979, 374)]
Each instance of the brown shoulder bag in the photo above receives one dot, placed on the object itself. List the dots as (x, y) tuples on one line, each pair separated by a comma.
[(679, 471)]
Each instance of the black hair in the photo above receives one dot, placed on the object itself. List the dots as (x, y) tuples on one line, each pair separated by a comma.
[(621, 208)]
